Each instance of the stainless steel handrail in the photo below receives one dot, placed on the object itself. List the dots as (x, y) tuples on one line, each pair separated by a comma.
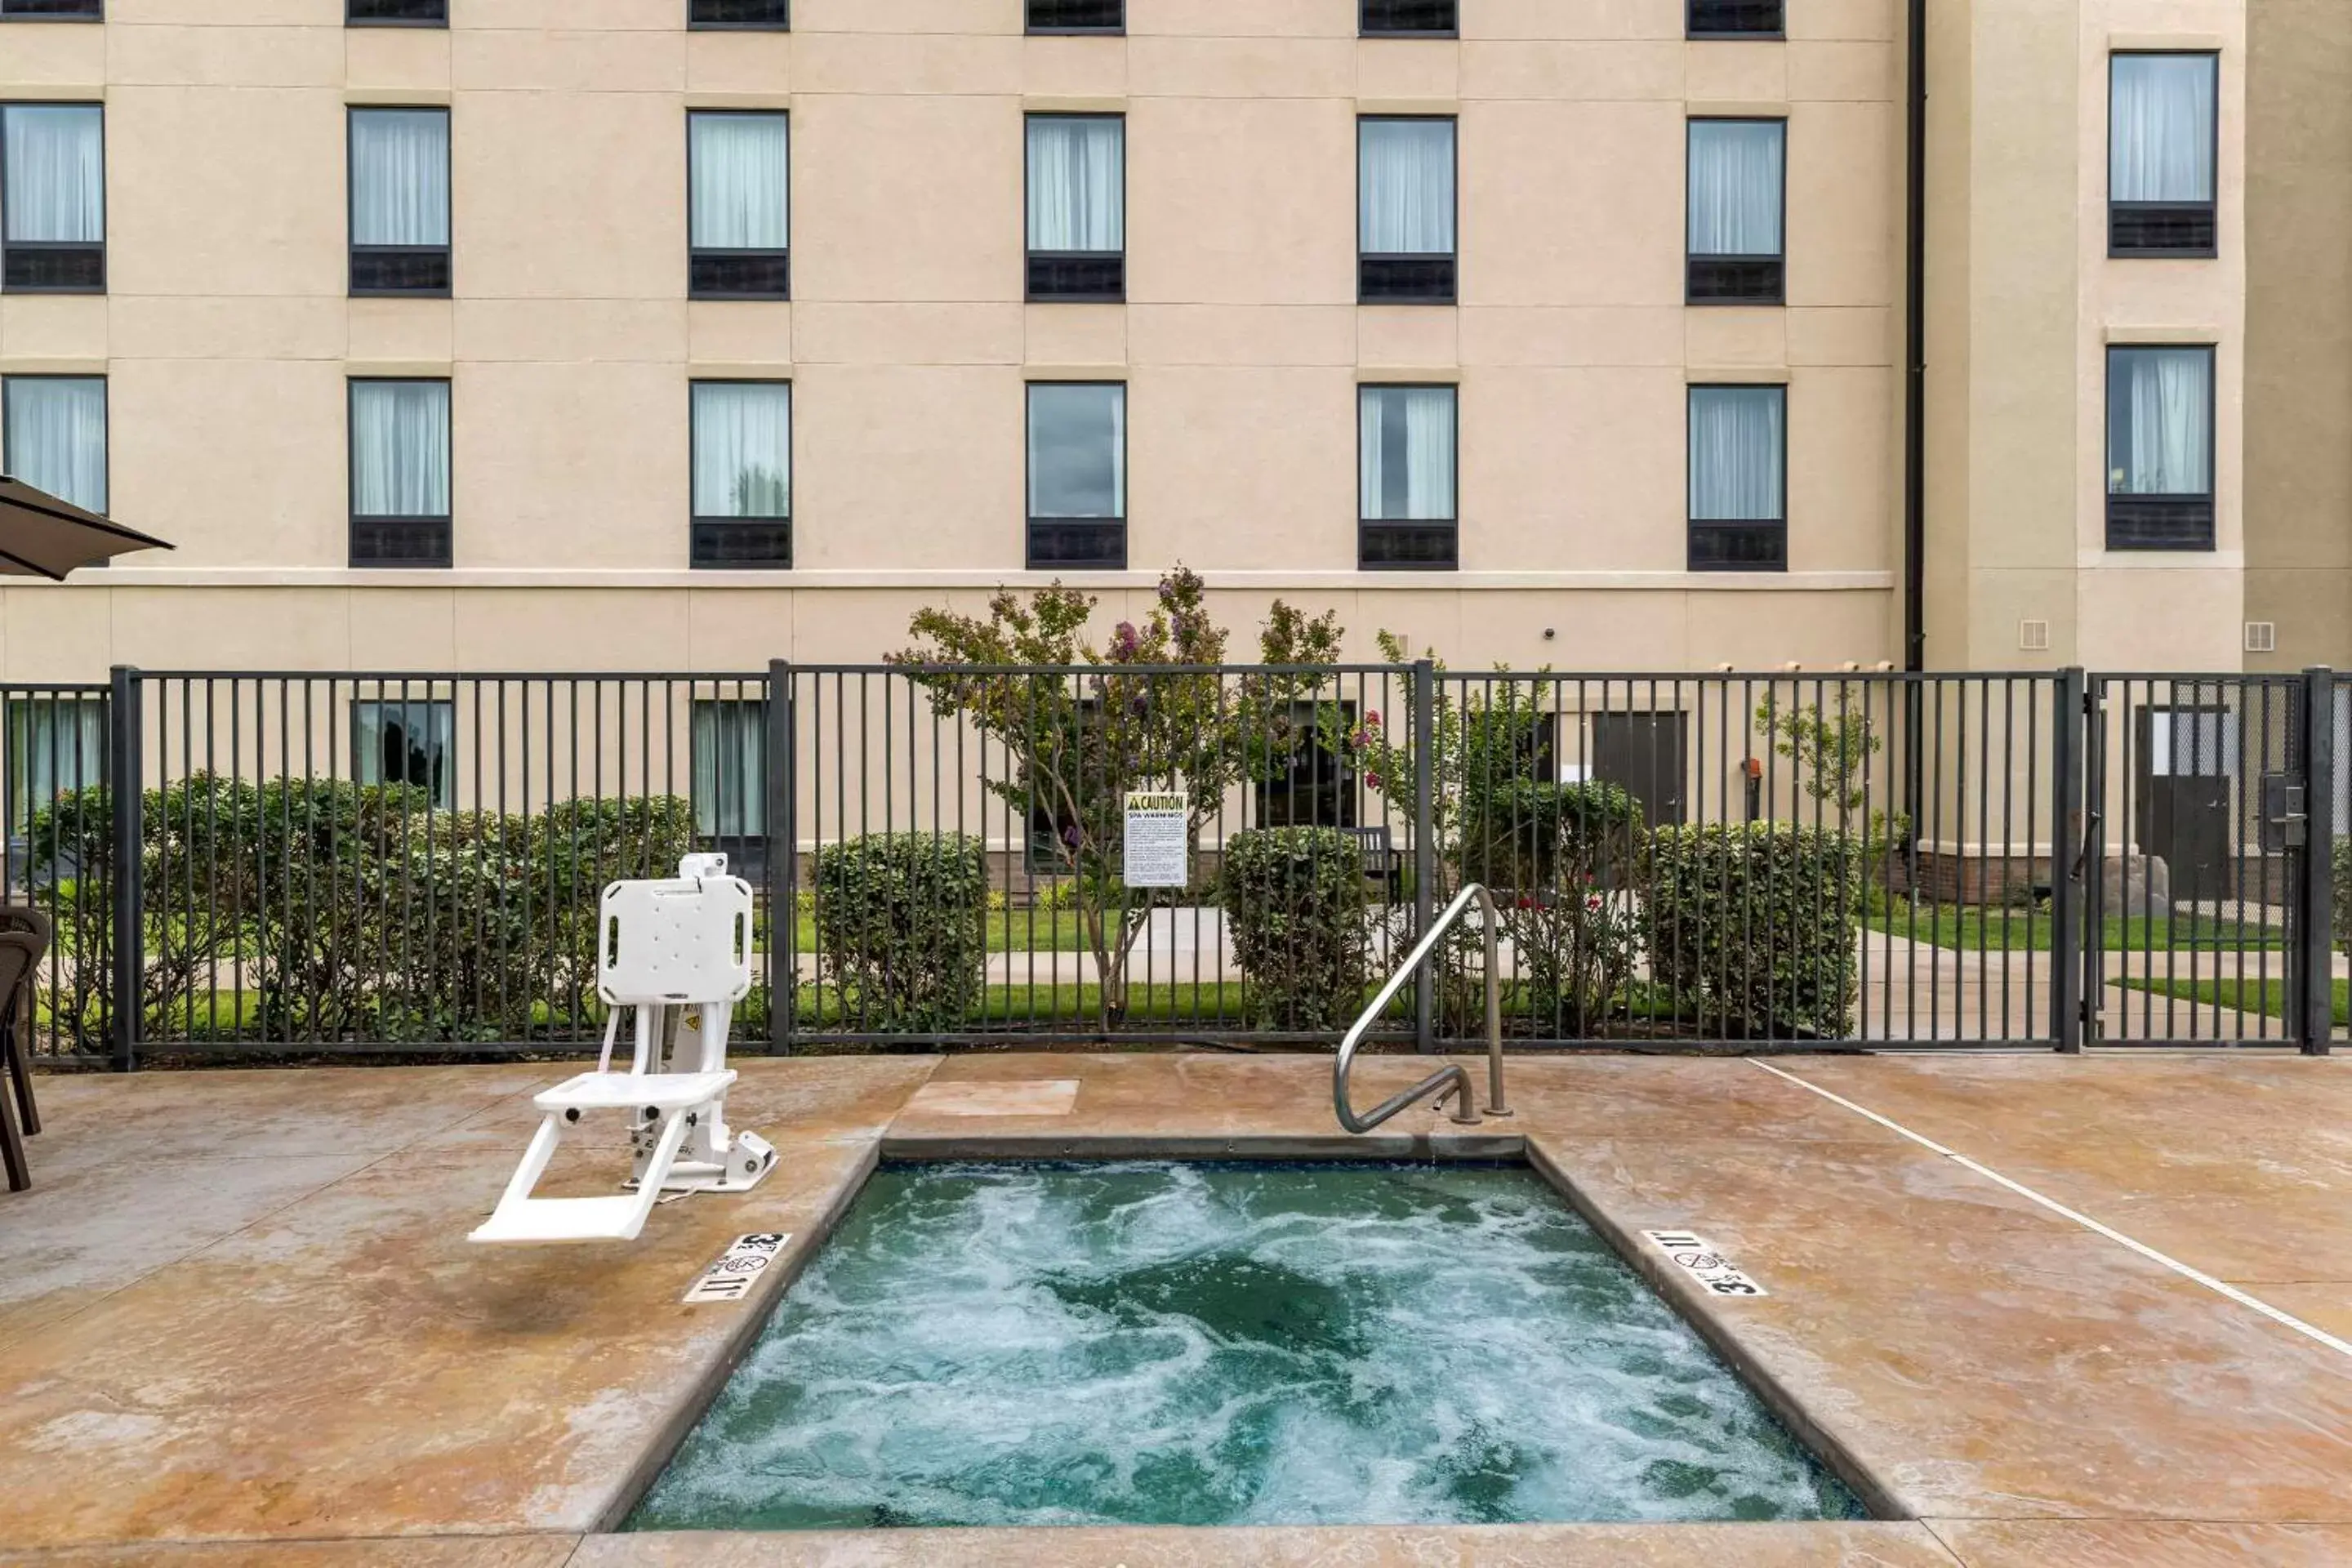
[(1453, 1080)]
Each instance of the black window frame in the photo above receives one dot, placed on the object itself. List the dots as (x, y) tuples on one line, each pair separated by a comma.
[(1328, 772), (2170, 525), (1694, 262), (356, 254), (96, 12), (1775, 527), (106, 428), (1366, 26), (1034, 527), (706, 536), (1695, 28), (704, 262), (745, 850), (441, 21), (436, 532), (1041, 267), (1369, 528), (2207, 214), (441, 789), (695, 23), (56, 247), (1416, 278), (1036, 29)]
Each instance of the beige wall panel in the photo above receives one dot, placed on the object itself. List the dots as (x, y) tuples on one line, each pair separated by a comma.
[(596, 211), (1574, 71), (923, 467), (258, 14), (978, 16), (1572, 470), (598, 478), (1409, 336), (1242, 18), (2167, 617), (735, 629), (1074, 67), (240, 56), (1867, 336), (735, 62), (1240, 68), (571, 329), (1761, 631), (232, 629), (165, 326), (1074, 335), (1427, 622), (1843, 238), (1536, 19), (582, 629), (1729, 336), (1239, 202), (1725, 71), (743, 332), (907, 198), (1578, 335), (1229, 465), (1241, 334), (409, 59), (223, 191), (905, 334), (1999, 600), (1846, 72), (59, 634), (1839, 471), (404, 628), (1416, 69), (2312, 608), (238, 462), (56, 326), (401, 332), (947, 64), (62, 56), (1816, 19), (1626, 630), (566, 61), (1570, 204)]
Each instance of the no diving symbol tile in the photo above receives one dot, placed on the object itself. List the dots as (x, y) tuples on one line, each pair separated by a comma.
[(731, 1277), (1712, 1270)]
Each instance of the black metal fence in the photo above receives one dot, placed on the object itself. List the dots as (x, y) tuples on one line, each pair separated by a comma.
[(397, 865)]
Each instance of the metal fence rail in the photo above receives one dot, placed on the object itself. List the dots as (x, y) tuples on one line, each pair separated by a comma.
[(406, 864)]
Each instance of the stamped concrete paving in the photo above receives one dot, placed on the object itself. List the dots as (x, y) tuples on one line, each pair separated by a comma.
[(239, 1308)]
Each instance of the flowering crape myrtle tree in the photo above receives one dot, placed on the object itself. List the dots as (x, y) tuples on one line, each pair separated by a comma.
[(1083, 724)]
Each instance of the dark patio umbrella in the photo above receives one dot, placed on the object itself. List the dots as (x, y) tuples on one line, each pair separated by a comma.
[(41, 536)]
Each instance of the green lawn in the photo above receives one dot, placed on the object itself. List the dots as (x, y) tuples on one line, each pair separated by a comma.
[(2267, 997), (1008, 931), (1970, 929)]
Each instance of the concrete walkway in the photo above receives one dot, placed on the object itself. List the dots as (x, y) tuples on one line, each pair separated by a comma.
[(239, 1322)]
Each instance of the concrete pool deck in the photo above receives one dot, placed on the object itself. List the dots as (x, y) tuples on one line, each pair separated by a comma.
[(239, 1322)]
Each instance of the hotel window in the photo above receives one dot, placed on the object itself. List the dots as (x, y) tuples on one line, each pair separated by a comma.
[(1314, 786), (396, 13), (750, 15), (2159, 448), (742, 438), (1404, 211), (53, 436), (53, 198), (1405, 460), (56, 745), (1737, 169), (739, 223), (1735, 19), (406, 741), (2161, 148), (52, 10), (1739, 478), (1077, 16), (1078, 474), (399, 201), (730, 769), (400, 473), (1409, 18), (1078, 206)]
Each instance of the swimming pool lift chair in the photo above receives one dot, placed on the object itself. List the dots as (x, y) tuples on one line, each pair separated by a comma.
[(676, 955)]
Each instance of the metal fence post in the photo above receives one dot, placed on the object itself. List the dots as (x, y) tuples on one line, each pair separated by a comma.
[(2314, 947), (783, 857), (2074, 729), (126, 782), (1424, 848)]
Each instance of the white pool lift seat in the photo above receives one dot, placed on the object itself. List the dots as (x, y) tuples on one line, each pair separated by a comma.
[(675, 954)]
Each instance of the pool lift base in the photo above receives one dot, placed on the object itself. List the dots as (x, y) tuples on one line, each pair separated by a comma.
[(676, 955)]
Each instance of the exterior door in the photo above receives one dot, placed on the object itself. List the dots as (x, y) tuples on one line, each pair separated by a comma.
[(1647, 755)]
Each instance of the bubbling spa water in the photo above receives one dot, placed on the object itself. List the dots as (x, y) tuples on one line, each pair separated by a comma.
[(1211, 1345)]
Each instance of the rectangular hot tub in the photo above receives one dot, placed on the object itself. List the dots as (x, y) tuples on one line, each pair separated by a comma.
[(1215, 1345)]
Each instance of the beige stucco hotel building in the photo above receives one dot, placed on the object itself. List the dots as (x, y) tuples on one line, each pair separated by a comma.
[(667, 334)]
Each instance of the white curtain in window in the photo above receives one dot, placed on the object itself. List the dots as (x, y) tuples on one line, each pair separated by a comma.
[(2161, 427), (1736, 167), (741, 178), (2161, 146), (406, 741), (55, 437), (1406, 450), (54, 747), (400, 448), (1737, 448), (1405, 187), (742, 450), (1077, 183), (400, 176), (53, 180), (730, 769), (1078, 450)]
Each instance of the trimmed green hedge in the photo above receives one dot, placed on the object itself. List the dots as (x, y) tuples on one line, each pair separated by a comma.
[(901, 929), (1755, 926), (1294, 900)]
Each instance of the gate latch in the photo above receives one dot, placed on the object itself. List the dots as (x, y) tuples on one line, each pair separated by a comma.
[(2283, 819)]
